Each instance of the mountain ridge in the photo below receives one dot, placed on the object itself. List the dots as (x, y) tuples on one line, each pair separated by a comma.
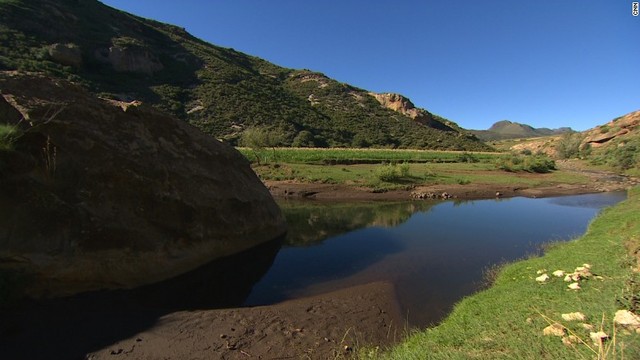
[(505, 129), (222, 91)]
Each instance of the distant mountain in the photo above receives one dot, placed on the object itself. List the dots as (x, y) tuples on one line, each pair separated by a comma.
[(123, 57), (506, 129)]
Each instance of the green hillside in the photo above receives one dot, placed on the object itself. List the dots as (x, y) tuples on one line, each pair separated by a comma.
[(124, 57)]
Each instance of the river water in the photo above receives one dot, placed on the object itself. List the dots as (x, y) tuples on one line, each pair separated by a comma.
[(434, 252)]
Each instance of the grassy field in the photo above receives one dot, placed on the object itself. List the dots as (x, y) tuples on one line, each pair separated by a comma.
[(507, 320), (394, 169), (352, 156)]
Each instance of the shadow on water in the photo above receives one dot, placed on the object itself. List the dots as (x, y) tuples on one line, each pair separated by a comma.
[(329, 241), (71, 327), (68, 328)]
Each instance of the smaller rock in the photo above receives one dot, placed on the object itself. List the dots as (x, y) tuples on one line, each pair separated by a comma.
[(583, 271), (558, 273), (554, 330), (587, 326), (627, 320), (542, 278), (570, 340), (572, 277), (541, 271), (598, 337), (574, 286), (574, 316)]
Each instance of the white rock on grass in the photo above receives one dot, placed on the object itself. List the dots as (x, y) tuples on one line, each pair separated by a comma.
[(558, 273), (554, 330), (598, 337), (574, 316), (541, 271), (570, 340), (542, 278), (627, 319), (583, 271), (572, 277), (574, 286), (587, 326)]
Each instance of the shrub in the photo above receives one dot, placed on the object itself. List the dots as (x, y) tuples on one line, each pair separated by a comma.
[(569, 146), (304, 139), (387, 172), (467, 158), (404, 169), (528, 163)]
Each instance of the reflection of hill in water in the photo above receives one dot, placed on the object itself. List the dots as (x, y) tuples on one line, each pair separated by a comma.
[(311, 221)]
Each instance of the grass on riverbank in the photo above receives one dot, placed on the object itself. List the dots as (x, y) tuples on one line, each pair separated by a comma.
[(507, 320), (376, 168), (332, 156), (418, 174)]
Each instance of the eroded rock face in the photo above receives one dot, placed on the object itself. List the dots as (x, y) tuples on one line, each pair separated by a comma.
[(130, 59), (403, 105), (66, 54), (617, 128), (102, 196)]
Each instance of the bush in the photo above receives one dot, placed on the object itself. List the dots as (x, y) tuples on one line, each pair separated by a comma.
[(569, 146), (626, 156), (304, 139), (387, 172), (404, 170), (467, 158), (528, 163)]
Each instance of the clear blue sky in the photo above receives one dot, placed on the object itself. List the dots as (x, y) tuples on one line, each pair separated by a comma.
[(547, 63)]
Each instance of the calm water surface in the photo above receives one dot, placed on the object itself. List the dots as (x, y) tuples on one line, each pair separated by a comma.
[(434, 252)]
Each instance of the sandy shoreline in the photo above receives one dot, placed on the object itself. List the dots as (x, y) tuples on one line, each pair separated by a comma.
[(320, 327)]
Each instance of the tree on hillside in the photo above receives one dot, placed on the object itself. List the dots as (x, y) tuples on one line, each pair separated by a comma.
[(257, 138)]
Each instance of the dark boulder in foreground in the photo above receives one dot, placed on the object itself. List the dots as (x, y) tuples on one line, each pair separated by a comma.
[(99, 194)]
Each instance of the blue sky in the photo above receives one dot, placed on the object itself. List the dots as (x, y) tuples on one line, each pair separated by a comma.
[(547, 63)]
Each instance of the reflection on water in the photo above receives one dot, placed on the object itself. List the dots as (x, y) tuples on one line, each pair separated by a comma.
[(311, 222), (434, 252), (68, 328)]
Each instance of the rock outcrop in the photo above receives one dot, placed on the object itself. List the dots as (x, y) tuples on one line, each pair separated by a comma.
[(403, 105), (66, 54), (130, 59), (618, 128), (101, 196)]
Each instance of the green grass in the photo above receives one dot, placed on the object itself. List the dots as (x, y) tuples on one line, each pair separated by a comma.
[(353, 156), (506, 321), (368, 175)]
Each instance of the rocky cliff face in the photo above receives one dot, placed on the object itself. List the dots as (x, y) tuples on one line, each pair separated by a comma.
[(620, 128), (403, 105), (101, 196)]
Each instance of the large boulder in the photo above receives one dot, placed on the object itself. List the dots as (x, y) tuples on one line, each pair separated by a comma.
[(130, 59), (99, 194), (66, 54)]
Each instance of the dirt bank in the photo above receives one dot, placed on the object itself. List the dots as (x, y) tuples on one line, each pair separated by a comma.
[(323, 327), (599, 181)]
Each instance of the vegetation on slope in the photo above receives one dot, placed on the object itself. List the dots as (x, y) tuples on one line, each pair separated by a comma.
[(220, 90)]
